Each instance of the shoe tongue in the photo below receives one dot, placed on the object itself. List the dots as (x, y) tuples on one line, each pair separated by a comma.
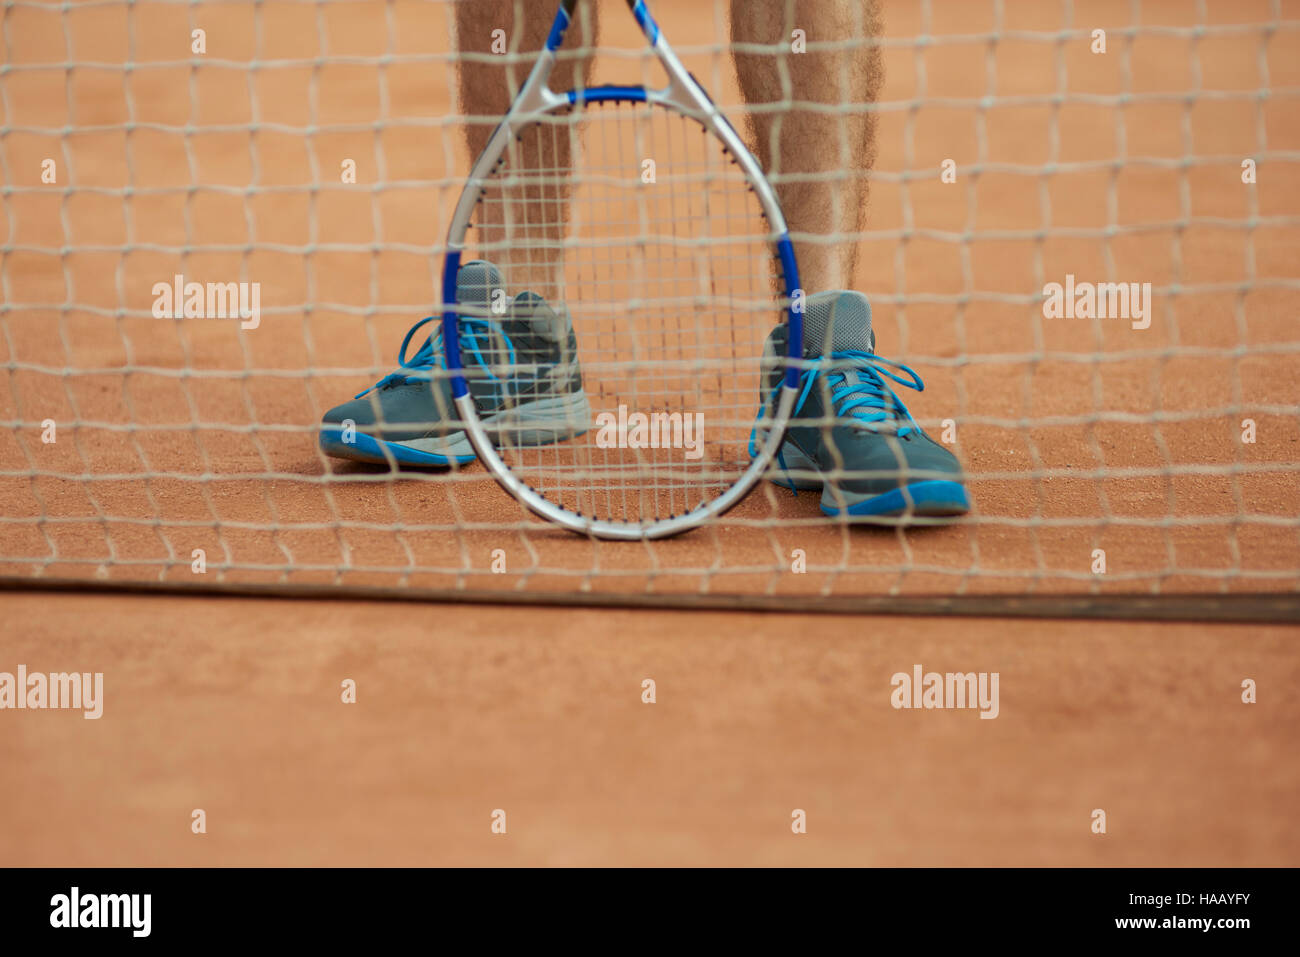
[(536, 316), (837, 322), (475, 283)]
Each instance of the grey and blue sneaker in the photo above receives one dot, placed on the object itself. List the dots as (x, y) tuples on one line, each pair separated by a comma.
[(849, 435), (521, 368)]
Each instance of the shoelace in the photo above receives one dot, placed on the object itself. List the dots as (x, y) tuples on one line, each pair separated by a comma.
[(858, 391), (474, 333)]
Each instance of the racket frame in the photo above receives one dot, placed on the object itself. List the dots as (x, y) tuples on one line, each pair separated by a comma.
[(684, 95)]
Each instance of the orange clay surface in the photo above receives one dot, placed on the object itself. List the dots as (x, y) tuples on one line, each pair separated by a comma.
[(233, 705), (1078, 435)]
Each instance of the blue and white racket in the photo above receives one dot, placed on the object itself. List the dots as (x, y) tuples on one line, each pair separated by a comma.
[(614, 267)]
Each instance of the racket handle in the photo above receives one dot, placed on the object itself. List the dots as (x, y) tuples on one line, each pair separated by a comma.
[(648, 25), (565, 16), (562, 20)]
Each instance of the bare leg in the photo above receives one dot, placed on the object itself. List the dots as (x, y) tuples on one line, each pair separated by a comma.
[(799, 141), (487, 86)]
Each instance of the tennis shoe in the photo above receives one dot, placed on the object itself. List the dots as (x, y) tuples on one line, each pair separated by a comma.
[(521, 367), (850, 436)]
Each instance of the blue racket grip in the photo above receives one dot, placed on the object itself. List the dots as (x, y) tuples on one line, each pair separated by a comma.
[(565, 16)]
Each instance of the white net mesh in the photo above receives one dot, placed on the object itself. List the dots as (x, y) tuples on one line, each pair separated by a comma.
[(314, 149)]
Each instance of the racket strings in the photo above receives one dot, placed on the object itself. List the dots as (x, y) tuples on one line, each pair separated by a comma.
[(635, 226)]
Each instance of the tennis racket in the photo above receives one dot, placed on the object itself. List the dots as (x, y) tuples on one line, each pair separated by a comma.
[(621, 296)]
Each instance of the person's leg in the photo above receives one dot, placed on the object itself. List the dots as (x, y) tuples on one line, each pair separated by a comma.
[(406, 419), (802, 142), (886, 469), (487, 87)]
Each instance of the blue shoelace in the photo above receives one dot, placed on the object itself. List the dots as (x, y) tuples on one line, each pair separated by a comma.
[(858, 391), (474, 333)]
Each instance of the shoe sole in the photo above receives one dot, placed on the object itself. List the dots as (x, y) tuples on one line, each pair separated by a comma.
[(375, 451), (544, 422), (931, 498)]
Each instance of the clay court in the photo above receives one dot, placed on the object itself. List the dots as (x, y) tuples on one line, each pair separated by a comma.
[(1077, 436)]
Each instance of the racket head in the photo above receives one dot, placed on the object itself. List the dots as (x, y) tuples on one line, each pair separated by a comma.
[(610, 339)]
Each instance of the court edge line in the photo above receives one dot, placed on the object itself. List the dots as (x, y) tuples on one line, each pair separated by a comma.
[(1240, 608)]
